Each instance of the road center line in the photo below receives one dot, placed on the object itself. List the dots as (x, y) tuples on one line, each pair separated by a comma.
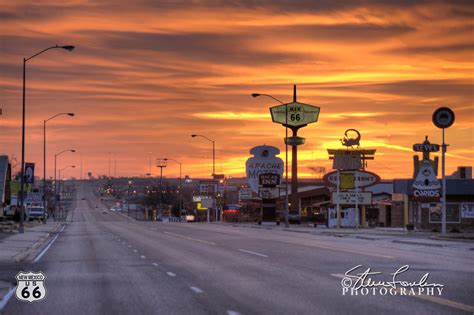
[(169, 273), (253, 253), (196, 290), (142, 257), (434, 299), (135, 250), (190, 238), (155, 264)]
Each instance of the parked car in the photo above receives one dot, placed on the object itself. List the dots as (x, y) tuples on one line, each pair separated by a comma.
[(36, 212), (294, 217)]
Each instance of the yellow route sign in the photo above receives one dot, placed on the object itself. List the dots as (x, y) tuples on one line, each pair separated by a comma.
[(295, 114)]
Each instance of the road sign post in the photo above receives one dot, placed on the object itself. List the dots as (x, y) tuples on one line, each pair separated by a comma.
[(443, 118), (294, 115)]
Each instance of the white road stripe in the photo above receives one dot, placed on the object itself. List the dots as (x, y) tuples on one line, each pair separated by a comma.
[(253, 253), (129, 246), (169, 273), (434, 299), (142, 257), (135, 250), (6, 298), (190, 238), (155, 264), (231, 312), (197, 290), (45, 249)]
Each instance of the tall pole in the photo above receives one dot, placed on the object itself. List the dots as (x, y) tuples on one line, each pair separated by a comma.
[(55, 185), (22, 182), (295, 207), (287, 211), (180, 190), (59, 193), (443, 210), (357, 200), (81, 166), (21, 228), (109, 165), (338, 209), (44, 171), (213, 158), (149, 172)]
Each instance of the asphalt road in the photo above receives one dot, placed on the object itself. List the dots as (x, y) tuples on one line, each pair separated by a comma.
[(108, 264)]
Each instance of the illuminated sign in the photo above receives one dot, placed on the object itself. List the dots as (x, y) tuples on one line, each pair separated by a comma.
[(361, 178), (264, 161), (295, 114), (425, 186)]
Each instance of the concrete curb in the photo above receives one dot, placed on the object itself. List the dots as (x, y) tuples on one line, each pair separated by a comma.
[(417, 243)]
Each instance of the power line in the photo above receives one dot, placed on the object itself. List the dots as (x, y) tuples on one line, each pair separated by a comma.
[(393, 170)]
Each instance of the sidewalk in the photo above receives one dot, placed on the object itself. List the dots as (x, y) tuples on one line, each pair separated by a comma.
[(399, 234), (17, 249)]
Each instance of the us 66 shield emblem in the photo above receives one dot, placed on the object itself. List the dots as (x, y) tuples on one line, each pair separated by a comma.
[(30, 286)]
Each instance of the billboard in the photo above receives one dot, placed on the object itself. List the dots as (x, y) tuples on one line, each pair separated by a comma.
[(29, 173), (350, 198), (348, 179), (264, 161), (425, 186)]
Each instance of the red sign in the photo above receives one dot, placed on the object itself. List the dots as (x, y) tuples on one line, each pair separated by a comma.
[(362, 179)]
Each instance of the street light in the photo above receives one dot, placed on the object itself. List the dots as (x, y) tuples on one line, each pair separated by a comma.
[(213, 162), (55, 181), (44, 155), (286, 153), (73, 166), (213, 152), (67, 47), (180, 185)]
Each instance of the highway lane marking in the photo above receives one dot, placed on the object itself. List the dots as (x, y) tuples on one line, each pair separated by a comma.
[(197, 290), (434, 299), (190, 238), (155, 264), (135, 250), (169, 273), (6, 298), (142, 257), (45, 249), (353, 251), (231, 312), (253, 253), (129, 246)]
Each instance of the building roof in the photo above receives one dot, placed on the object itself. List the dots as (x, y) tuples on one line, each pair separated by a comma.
[(454, 187)]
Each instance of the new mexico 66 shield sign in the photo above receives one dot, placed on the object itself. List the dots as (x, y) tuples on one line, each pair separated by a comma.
[(30, 286)]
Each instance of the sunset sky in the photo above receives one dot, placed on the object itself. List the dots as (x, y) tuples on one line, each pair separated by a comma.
[(145, 75)]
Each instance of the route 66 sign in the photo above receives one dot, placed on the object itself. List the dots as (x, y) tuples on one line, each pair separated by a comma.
[(30, 286)]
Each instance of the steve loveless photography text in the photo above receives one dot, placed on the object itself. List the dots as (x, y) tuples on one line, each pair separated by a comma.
[(363, 283)]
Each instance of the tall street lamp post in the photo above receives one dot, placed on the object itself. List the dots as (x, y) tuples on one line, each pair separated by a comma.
[(213, 152), (180, 184), (44, 155), (286, 153), (213, 163), (22, 182), (62, 217), (55, 181)]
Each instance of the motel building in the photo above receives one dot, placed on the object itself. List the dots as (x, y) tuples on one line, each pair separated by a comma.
[(406, 210)]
